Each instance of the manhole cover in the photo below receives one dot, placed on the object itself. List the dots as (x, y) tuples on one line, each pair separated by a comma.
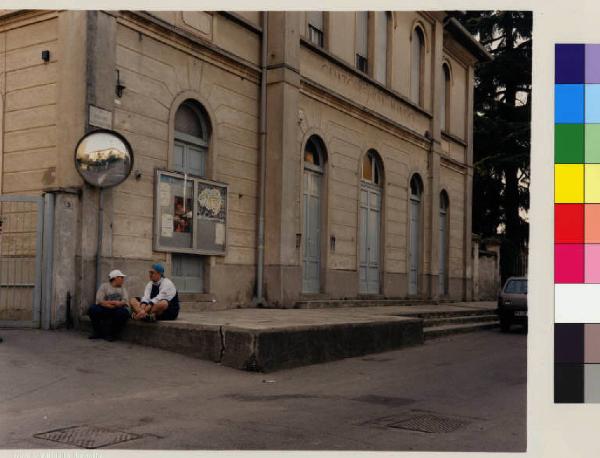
[(430, 424), (87, 436)]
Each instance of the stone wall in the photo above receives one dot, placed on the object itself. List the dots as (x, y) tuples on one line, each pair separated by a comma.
[(162, 59), (486, 278), (28, 103)]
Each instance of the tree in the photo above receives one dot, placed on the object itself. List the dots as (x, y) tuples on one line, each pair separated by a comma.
[(502, 130)]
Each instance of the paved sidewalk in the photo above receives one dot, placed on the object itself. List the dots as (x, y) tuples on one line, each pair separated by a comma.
[(286, 318), (57, 379)]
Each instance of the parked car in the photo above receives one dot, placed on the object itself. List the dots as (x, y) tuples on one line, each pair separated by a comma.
[(512, 303)]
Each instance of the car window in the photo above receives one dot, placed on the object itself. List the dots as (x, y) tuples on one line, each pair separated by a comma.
[(516, 287)]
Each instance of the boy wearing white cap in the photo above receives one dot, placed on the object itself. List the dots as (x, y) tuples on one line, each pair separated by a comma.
[(111, 307)]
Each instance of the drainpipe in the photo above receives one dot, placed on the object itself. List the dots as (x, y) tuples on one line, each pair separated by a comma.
[(100, 235), (259, 299), (48, 260)]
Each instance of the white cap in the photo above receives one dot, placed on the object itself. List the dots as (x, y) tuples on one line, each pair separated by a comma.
[(115, 274)]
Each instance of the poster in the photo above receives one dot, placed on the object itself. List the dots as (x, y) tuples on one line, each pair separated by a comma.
[(165, 194), (211, 202), (182, 214), (219, 234), (191, 214), (166, 226)]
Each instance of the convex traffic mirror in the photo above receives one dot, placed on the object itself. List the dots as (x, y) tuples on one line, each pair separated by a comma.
[(103, 158)]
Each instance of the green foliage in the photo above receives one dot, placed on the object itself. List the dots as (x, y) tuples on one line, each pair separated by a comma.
[(502, 127)]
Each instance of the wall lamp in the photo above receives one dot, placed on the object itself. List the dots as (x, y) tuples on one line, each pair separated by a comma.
[(119, 88)]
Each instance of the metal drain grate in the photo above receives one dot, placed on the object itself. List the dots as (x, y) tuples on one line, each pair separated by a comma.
[(430, 424), (87, 436)]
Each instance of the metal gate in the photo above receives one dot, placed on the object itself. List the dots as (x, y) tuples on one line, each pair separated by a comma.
[(21, 241)]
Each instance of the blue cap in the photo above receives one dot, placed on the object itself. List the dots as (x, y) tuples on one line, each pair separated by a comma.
[(159, 268)]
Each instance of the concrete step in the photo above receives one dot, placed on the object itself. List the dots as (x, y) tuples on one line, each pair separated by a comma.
[(449, 329), (328, 303), (443, 314), (440, 321), (198, 341), (196, 297), (261, 346), (196, 306)]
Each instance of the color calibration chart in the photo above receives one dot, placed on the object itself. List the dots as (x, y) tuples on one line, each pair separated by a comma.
[(577, 223)]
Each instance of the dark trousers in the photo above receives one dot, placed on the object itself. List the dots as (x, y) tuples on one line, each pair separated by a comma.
[(107, 321)]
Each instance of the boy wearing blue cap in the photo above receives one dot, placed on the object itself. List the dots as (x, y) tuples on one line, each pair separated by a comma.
[(160, 300)]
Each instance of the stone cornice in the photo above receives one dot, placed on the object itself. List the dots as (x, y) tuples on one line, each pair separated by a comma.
[(458, 52), (453, 164), (337, 101), (169, 34), (364, 77), (466, 40), (240, 20), (19, 18), (453, 138), (430, 16)]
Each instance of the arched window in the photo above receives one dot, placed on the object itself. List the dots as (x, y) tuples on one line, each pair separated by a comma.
[(314, 152), (444, 202), (417, 58), (190, 151), (192, 135), (445, 95), (371, 168), (416, 187)]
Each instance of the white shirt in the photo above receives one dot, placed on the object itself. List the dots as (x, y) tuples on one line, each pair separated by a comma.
[(166, 291)]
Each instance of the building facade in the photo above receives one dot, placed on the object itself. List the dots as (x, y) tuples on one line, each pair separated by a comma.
[(367, 135)]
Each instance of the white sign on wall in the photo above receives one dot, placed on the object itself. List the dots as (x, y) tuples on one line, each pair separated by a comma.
[(100, 118)]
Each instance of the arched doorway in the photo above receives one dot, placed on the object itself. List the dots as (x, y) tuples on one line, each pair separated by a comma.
[(371, 191), (314, 163), (443, 244), (415, 228)]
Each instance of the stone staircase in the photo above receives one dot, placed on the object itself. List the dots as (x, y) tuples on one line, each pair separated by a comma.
[(196, 302), (444, 324), (328, 303), (435, 324)]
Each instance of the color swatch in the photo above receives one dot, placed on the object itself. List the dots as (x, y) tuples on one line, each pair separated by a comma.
[(577, 223)]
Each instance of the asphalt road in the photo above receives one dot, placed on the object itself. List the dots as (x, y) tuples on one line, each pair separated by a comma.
[(473, 384)]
